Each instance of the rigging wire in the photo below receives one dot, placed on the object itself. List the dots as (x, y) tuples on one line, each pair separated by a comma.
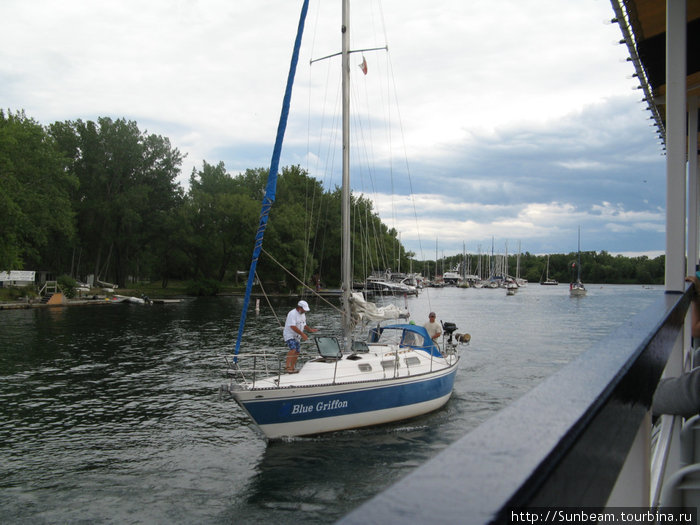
[(391, 87), (303, 284), (267, 298), (408, 168), (375, 253)]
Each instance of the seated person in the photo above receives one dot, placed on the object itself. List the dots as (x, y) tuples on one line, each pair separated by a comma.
[(433, 327)]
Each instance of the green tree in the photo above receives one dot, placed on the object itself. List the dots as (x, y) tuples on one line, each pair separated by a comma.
[(36, 217), (221, 222), (126, 177), (293, 229)]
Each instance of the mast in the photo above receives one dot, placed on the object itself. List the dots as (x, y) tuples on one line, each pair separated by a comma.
[(346, 270), (436, 259), (579, 254), (398, 263)]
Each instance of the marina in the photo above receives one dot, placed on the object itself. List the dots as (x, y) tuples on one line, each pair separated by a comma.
[(120, 413)]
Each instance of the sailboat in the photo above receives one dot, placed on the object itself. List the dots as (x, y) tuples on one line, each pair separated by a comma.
[(397, 373), (576, 288), (547, 281)]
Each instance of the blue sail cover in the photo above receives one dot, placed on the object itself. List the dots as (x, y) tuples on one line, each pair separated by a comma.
[(271, 187)]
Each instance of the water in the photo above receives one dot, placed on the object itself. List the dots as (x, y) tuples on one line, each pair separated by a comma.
[(112, 413)]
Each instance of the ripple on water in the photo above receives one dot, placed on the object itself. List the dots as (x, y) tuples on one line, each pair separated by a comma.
[(113, 413)]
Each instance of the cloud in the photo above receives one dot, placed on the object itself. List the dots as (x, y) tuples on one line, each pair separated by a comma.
[(504, 130)]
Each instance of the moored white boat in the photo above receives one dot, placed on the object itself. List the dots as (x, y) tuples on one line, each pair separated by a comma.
[(389, 287), (577, 289), (452, 278)]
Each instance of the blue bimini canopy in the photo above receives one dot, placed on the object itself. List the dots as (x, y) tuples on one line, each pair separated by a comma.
[(416, 337)]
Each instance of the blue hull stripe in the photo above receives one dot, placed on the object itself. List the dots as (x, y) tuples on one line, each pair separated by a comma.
[(300, 408)]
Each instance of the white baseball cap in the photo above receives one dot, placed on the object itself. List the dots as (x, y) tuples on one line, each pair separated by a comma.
[(304, 305)]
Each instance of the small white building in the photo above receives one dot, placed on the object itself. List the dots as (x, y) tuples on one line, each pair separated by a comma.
[(16, 278)]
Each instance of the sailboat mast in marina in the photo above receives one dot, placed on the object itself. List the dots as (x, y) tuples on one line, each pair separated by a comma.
[(346, 267), (394, 373), (547, 281), (576, 288)]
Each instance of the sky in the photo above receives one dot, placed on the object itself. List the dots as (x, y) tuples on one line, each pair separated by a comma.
[(516, 122)]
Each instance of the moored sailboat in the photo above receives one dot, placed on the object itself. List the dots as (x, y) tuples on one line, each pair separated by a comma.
[(398, 373), (547, 281), (576, 288)]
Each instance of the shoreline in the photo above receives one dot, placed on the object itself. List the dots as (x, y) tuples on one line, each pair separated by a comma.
[(171, 299), (125, 298), (64, 302)]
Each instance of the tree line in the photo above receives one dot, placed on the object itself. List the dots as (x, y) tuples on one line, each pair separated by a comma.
[(101, 198), (596, 267), (81, 198)]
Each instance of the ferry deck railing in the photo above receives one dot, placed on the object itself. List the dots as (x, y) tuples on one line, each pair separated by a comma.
[(580, 439)]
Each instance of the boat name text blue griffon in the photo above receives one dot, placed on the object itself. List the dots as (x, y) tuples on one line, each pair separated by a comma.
[(321, 406)]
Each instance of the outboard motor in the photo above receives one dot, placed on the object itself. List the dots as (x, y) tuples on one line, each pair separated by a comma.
[(449, 329)]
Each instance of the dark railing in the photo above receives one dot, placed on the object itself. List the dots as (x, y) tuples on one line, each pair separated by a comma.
[(562, 444)]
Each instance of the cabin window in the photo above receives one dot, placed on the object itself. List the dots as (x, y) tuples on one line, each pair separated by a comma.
[(412, 361), (389, 337), (364, 367), (409, 339), (360, 347), (412, 339), (389, 364)]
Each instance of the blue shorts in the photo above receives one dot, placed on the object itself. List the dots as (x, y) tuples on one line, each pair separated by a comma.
[(294, 344)]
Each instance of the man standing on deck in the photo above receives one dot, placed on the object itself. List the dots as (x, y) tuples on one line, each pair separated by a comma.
[(294, 333), (433, 327)]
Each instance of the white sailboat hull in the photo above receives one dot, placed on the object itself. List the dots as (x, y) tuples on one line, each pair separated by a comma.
[(300, 409)]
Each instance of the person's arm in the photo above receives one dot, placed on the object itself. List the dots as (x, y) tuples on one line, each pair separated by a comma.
[(678, 396), (695, 318), (695, 306), (304, 337)]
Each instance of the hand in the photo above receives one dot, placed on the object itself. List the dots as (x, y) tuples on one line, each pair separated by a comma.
[(304, 337), (696, 283)]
